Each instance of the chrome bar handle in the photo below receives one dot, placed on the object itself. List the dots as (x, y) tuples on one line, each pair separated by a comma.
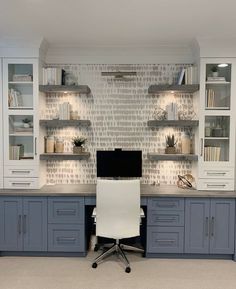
[(212, 226), (201, 147), (35, 146), (207, 227), (24, 224), (19, 224)]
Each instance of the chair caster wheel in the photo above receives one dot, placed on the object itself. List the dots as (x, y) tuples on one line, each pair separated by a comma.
[(94, 265), (127, 269), (96, 247)]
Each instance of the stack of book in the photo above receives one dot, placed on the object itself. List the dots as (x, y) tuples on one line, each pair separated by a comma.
[(211, 154), (64, 110), (210, 98), (22, 77), (16, 152), (53, 76), (188, 75), (172, 111), (14, 98)]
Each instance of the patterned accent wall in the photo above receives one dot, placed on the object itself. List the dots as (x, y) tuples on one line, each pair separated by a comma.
[(119, 111)]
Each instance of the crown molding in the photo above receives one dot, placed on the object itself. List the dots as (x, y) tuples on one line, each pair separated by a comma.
[(120, 55)]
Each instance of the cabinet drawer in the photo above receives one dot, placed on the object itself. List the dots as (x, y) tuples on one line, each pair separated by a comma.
[(66, 238), (215, 185), (66, 210), (217, 173), (17, 172), (165, 240), (19, 183), (165, 218), (165, 204)]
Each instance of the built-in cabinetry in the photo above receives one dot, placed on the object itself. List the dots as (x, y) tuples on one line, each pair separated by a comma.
[(1, 128), (66, 224), (23, 224), (42, 224), (209, 226), (165, 225), (175, 225), (20, 120), (217, 124)]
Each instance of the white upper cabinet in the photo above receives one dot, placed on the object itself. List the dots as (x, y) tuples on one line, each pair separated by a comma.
[(217, 122), (1, 129)]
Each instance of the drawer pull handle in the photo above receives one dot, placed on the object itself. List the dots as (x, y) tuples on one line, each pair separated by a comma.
[(215, 174), (20, 184), (166, 205), (67, 212), (160, 219), (66, 240), (165, 241), (216, 186), (20, 172)]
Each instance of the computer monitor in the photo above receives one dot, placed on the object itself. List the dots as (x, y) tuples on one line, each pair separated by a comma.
[(119, 163)]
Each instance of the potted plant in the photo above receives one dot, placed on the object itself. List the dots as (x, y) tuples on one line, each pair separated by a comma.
[(170, 144), (78, 144), (26, 122), (214, 71)]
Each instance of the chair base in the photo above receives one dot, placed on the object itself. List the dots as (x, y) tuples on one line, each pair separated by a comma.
[(118, 249)]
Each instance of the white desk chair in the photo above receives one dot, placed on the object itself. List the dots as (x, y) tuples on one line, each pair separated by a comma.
[(117, 215)]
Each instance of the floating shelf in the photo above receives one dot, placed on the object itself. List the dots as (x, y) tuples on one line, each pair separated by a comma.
[(65, 88), (157, 89), (172, 157), (64, 156), (62, 122), (157, 123)]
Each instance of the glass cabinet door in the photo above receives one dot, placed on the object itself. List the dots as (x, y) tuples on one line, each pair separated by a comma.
[(218, 86), (21, 137), (216, 112), (20, 86), (20, 89)]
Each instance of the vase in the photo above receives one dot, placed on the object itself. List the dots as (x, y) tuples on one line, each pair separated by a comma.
[(78, 150), (170, 150)]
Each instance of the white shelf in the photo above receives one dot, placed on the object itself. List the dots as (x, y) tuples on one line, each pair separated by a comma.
[(217, 108), (21, 134), (218, 82), (20, 107), (20, 82), (217, 138)]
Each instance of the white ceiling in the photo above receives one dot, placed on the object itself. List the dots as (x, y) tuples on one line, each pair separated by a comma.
[(110, 23)]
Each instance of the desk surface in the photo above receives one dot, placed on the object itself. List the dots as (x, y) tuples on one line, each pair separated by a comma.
[(90, 190)]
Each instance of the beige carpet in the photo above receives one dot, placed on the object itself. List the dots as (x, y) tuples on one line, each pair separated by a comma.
[(76, 273)]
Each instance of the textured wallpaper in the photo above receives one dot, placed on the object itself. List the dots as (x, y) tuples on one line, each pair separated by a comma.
[(119, 111)]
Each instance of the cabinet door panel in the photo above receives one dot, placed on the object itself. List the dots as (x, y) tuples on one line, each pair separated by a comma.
[(35, 224), (165, 239), (64, 210), (197, 226), (222, 226), (11, 224), (66, 238)]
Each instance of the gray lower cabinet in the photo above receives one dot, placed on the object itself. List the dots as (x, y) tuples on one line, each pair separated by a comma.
[(23, 224), (66, 224), (165, 225), (209, 226)]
